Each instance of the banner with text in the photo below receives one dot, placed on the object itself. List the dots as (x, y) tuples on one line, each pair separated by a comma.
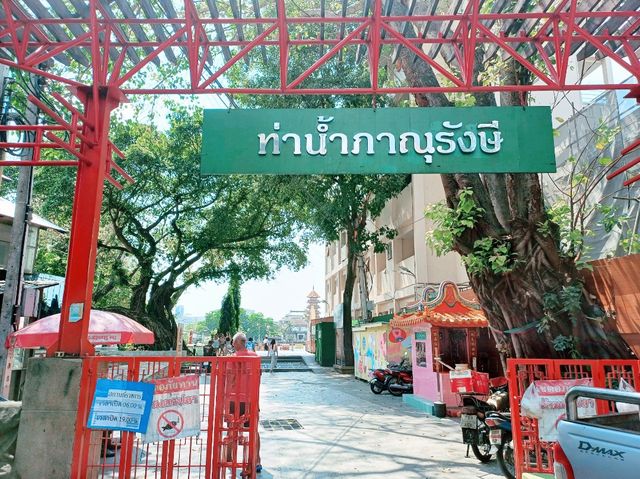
[(385, 140), (175, 412), (121, 405)]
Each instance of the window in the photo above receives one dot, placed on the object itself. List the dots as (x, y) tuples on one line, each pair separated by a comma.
[(421, 354)]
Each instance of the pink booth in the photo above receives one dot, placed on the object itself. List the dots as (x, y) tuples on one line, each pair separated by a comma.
[(453, 330)]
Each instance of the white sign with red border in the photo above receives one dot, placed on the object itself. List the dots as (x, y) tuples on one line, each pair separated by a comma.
[(175, 411), (544, 401)]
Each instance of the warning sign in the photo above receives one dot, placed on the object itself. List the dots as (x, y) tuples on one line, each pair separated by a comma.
[(175, 410)]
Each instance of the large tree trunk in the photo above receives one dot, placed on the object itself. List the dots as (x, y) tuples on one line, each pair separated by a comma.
[(516, 301), (347, 296), (159, 310)]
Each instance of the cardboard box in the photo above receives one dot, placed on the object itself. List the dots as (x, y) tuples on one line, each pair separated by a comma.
[(468, 381)]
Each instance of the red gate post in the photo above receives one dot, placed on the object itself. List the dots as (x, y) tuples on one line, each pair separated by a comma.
[(85, 222)]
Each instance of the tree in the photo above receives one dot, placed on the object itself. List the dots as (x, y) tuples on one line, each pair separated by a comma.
[(227, 315), (255, 325), (173, 229), (345, 203), (334, 203), (234, 292), (511, 248)]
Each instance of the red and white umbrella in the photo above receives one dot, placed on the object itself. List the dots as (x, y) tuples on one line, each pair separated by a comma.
[(104, 328)]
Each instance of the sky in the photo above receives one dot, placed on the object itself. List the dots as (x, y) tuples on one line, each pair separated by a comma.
[(287, 291)]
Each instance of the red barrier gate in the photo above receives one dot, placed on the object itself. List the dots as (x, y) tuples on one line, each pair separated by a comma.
[(532, 454), (226, 447)]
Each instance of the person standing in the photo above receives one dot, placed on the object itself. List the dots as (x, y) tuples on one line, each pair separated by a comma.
[(265, 343), (216, 345), (240, 346), (251, 345), (273, 354)]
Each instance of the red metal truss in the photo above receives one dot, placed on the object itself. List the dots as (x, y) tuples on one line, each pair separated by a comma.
[(627, 166), (118, 40), (111, 46)]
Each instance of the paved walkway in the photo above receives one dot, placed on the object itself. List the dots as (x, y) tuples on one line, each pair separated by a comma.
[(348, 432)]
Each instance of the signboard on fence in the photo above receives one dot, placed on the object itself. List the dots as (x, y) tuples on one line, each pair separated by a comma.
[(175, 411), (544, 401), (384, 140), (121, 405)]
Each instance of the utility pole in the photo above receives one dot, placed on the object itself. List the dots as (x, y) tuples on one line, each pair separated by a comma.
[(19, 231)]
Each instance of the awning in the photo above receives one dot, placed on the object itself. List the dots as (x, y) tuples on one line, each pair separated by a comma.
[(448, 309), (8, 209)]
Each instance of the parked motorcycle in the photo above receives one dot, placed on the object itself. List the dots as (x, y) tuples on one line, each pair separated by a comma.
[(397, 375), (501, 438), (475, 431), (401, 380), (379, 380)]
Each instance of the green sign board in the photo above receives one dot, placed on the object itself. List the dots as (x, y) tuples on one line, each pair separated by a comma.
[(385, 140)]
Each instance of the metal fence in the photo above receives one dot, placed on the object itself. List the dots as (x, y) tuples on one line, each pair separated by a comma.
[(531, 453), (227, 446)]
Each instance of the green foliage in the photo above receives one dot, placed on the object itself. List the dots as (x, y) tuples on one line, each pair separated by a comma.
[(451, 223), (331, 203), (255, 325), (234, 292), (173, 229), (227, 315), (490, 254), (567, 345)]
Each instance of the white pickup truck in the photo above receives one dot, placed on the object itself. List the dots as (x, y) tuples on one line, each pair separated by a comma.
[(598, 447)]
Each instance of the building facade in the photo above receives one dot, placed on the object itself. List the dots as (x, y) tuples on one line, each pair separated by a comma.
[(397, 277)]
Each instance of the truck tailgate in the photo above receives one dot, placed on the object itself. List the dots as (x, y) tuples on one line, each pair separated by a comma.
[(597, 452)]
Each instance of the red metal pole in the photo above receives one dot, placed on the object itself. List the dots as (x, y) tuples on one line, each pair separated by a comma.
[(86, 222)]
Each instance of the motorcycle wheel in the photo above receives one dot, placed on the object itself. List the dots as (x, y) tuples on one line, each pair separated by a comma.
[(394, 381), (505, 457), (482, 447), (375, 387)]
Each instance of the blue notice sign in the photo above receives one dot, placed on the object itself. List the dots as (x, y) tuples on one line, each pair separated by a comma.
[(121, 405)]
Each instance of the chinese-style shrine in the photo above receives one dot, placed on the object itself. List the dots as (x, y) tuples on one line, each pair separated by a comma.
[(447, 330)]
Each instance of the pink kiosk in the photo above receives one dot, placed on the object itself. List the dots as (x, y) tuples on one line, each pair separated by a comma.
[(446, 330)]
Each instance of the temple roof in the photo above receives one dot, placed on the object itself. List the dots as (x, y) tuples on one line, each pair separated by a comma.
[(313, 294), (447, 309)]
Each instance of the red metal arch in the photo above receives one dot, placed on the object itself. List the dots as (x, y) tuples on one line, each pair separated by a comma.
[(117, 40)]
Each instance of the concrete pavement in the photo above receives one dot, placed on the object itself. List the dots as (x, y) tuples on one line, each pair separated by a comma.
[(348, 432)]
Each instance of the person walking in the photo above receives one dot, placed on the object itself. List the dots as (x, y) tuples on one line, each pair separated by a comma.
[(273, 354)]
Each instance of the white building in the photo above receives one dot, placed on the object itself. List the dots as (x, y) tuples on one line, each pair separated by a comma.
[(398, 276)]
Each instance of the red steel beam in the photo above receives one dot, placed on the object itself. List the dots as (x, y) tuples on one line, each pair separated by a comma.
[(85, 223), (470, 31)]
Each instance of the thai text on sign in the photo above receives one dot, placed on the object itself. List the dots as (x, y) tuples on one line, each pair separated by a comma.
[(175, 409), (386, 140), (121, 405), (544, 401)]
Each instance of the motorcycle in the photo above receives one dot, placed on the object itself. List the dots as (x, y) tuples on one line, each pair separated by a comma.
[(379, 380), (401, 380), (501, 438), (475, 431), (397, 379)]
